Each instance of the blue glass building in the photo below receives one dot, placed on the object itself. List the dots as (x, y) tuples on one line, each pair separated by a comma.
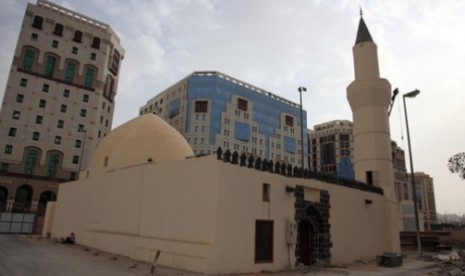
[(212, 110)]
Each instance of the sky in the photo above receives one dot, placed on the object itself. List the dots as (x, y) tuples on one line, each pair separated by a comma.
[(280, 45)]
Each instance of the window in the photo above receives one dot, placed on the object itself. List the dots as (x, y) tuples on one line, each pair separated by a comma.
[(173, 107), (28, 60), (75, 159), (31, 158), (37, 22), (242, 104), (42, 103), (55, 44), (77, 144), (58, 30), (8, 149), (80, 128), (89, 77), (70, 71), (50, 66), (72, 176), (34, 37), (263, 241), (19, 98), (83, 113), (289, 120), (96, 42), (85, 98), (16, 114), (45, 87), (93, 56), (201, 107), (266, 192), (66, 93), (39, 119), (4, 167), (53, 161), (241, 131), (369, 176), (114, 66), (77, 36), (74, 50), (23, 82), (63, 108), (60, 124), (35, 136), (289, 144), (57, 140), (12, 132)]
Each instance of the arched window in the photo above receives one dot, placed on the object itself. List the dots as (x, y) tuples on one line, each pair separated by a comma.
[(23, 198), (109, 88), (37, 22), (96, 43), (58, 29), (89, 77), (77, 36), (3, 198), (31, 159), (44, 198), (70, 71), (53, 164), (50, 62), (28, 60)]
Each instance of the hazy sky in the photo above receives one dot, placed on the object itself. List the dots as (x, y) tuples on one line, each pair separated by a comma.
[(280, 45)]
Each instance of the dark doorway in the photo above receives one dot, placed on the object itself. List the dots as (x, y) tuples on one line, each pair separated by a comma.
[(304, 246)]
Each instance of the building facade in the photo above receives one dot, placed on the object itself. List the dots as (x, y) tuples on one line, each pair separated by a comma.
[(58, 102), (425, 198), (212, 110), (331, 148)]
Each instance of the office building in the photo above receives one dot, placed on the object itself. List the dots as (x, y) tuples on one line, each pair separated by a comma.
[(425, 198), (331, 148), (58, 102), (211, 110)]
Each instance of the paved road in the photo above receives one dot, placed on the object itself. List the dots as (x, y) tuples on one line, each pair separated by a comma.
[(22, 255), (26, 255)]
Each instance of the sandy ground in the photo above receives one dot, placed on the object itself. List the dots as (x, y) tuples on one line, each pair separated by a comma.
[(30, 255)]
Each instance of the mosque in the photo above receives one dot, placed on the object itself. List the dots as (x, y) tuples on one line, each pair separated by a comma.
[(228, 213)]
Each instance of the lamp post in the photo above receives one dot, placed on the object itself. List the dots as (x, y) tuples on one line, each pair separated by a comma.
[(82, 149), (302, 89), (413, 94)]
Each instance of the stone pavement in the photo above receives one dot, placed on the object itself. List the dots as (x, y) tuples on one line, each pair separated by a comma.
[(29, 255)]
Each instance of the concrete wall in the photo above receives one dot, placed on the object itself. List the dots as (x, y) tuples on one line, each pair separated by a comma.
[(201, 214)]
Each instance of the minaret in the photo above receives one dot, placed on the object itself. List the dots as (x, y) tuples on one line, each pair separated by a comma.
[(369, 98)]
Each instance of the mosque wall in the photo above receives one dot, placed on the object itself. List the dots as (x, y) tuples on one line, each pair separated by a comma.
[(202, 213)]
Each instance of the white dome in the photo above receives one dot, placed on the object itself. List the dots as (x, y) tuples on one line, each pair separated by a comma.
[(147, 138)]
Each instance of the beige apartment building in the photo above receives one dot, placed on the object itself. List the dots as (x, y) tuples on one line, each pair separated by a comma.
[(58, 102)]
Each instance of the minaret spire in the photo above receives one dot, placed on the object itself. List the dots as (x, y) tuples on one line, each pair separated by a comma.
[(363, 35)]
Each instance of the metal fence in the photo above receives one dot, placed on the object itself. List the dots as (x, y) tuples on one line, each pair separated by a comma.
[(17, 223)]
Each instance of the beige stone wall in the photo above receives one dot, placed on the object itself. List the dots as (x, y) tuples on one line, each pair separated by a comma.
[(201, 214)]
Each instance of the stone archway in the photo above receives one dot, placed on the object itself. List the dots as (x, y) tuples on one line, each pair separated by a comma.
[(309, 232), (313, 233)]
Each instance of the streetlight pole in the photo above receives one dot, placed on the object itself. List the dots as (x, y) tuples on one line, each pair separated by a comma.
[(413, 94), (82, 149), (302, 89)]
